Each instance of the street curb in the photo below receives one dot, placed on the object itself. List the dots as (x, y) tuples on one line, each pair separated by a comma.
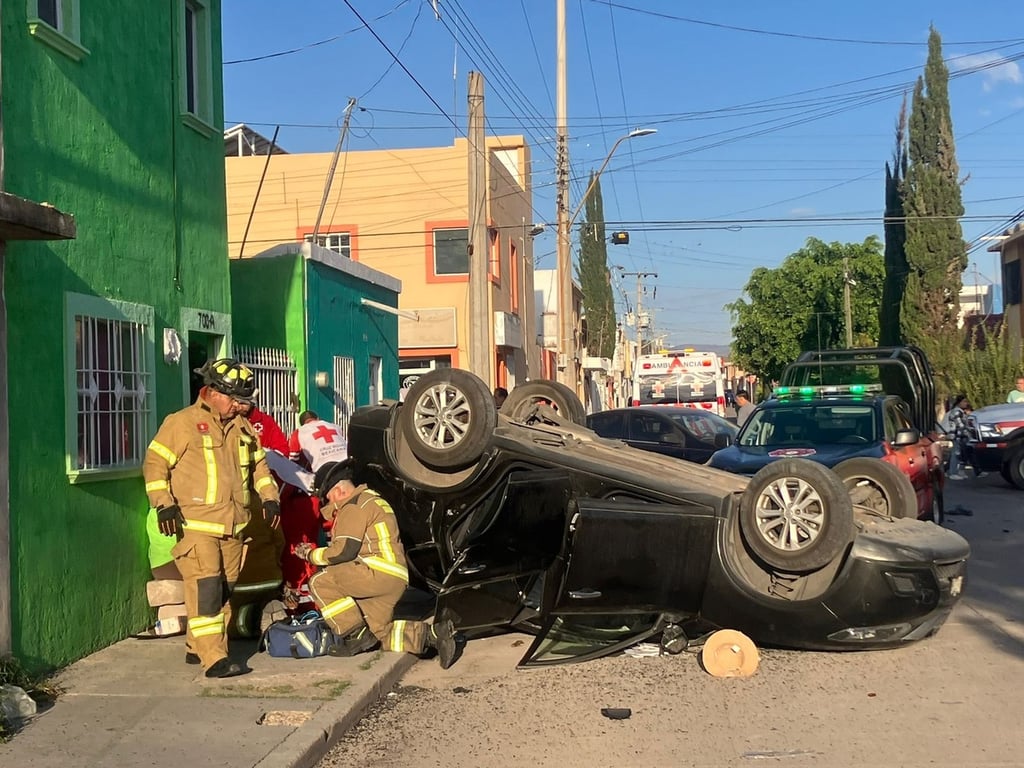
[(307, 745)]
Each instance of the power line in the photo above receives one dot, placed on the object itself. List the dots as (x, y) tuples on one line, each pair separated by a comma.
[(309, 46), (794, 35), (404, 68)]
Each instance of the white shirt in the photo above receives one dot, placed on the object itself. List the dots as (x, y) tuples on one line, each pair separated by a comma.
[(320, 442)]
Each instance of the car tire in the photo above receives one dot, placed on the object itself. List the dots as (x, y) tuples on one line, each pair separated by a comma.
[(1015, 469), (878, 485), (1004, 472), (819, 512), (521, 400), (448, 418)]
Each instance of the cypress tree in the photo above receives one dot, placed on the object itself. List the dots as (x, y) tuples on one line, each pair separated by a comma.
[(594, 278), (935, 250), (895, 238)]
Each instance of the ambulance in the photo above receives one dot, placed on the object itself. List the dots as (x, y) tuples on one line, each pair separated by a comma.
[(687, 379)]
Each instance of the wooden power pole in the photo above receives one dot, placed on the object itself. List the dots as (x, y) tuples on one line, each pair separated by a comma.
[(479, 322), (566, 326)]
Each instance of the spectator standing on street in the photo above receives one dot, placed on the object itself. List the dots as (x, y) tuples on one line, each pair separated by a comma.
[(743, 407), (957, 418), (200, 471), (1017, 395)]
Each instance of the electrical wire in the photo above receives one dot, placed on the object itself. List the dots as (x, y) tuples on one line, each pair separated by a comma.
[(309, 46), (791, 35)]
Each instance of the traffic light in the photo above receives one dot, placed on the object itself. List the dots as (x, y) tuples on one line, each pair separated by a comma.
[(620, 238)]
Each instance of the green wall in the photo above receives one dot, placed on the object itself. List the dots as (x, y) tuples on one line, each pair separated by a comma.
[(100, 138), (339, 325), (268, 306)]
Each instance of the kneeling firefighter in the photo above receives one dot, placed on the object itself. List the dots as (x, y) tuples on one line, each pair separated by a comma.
[(364, 573)]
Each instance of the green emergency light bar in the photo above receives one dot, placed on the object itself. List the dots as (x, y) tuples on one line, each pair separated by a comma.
[(824, 390)]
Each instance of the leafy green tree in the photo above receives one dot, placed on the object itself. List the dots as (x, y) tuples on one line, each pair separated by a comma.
[(594, 278), (895, 238), (798, 306), (935, 250)]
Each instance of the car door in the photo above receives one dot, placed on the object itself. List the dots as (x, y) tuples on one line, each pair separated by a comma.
[(912, 460), (626, 566), (501, 546), (649, 430), (611, 424), (700, 433)]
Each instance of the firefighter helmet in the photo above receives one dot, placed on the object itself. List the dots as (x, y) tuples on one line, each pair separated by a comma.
[(230, 377), (332, 473)]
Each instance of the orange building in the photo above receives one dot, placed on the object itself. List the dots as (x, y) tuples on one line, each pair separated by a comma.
[(404, 212)]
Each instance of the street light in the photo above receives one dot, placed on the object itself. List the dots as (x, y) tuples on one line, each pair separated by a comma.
[(593, 181), (566, 345)]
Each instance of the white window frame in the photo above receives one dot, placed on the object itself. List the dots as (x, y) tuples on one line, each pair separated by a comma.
[(199, 114), (66, 35), (438, 273), (140, 316), (338, 242)]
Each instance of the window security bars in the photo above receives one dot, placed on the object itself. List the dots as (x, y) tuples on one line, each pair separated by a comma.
[(275, 381), (344, 390), (114, 391)]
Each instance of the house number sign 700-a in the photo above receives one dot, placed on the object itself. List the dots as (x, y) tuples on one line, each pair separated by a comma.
[(207, 320)]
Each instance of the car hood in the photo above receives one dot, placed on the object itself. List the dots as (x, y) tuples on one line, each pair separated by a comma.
[(746, 460), (992, 414)]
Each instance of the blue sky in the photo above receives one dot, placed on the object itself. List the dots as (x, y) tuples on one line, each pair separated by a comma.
[(768, 114)]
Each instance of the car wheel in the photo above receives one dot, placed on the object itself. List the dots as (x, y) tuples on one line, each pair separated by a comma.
[(938, 510), (1015, 468), (448, 418), (1004, 472), (520, 403), (878, 486), (796, 516)]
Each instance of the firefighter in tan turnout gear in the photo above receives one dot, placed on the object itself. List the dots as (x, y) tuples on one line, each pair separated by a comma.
[(200, 470), (364, 573)]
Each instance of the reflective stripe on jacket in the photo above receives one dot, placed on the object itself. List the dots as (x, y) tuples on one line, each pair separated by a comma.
[(368, 518), (208, 468)]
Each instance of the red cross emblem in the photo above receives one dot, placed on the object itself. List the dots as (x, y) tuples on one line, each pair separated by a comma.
[(325, 434), (658, 388)]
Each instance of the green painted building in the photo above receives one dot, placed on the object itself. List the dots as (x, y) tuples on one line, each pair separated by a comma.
[(112, 112), (337, 319)]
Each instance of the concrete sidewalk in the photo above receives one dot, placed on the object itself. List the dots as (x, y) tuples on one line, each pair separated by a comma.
[(138, 703)]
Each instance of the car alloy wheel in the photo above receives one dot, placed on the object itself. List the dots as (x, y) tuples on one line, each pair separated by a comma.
[(521, 403), (878, 486), (448, 418), (796, 516)]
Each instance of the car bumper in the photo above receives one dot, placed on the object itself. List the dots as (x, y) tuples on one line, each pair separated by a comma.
[(898, 584), (986, 455)]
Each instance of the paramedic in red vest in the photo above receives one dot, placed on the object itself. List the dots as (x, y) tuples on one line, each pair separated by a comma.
[(364, 573), (201, 470)]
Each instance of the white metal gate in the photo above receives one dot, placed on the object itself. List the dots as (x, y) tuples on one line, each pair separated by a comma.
[(276, 382), (344, 390)]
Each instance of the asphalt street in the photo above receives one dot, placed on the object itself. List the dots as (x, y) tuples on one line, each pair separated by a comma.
[(951, 700)]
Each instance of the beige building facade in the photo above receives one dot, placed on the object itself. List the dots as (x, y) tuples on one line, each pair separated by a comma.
[(404, 212)]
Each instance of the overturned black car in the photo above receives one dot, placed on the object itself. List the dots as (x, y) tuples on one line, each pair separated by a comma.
[(524, 518)]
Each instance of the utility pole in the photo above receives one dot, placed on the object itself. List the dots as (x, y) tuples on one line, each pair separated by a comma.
[(636, 322), (567, 328), (334, 164), (479, 327), (847, 309)]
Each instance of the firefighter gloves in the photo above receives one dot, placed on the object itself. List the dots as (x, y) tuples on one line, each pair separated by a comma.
[(169, 520), (272, 513), (302, 550)]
